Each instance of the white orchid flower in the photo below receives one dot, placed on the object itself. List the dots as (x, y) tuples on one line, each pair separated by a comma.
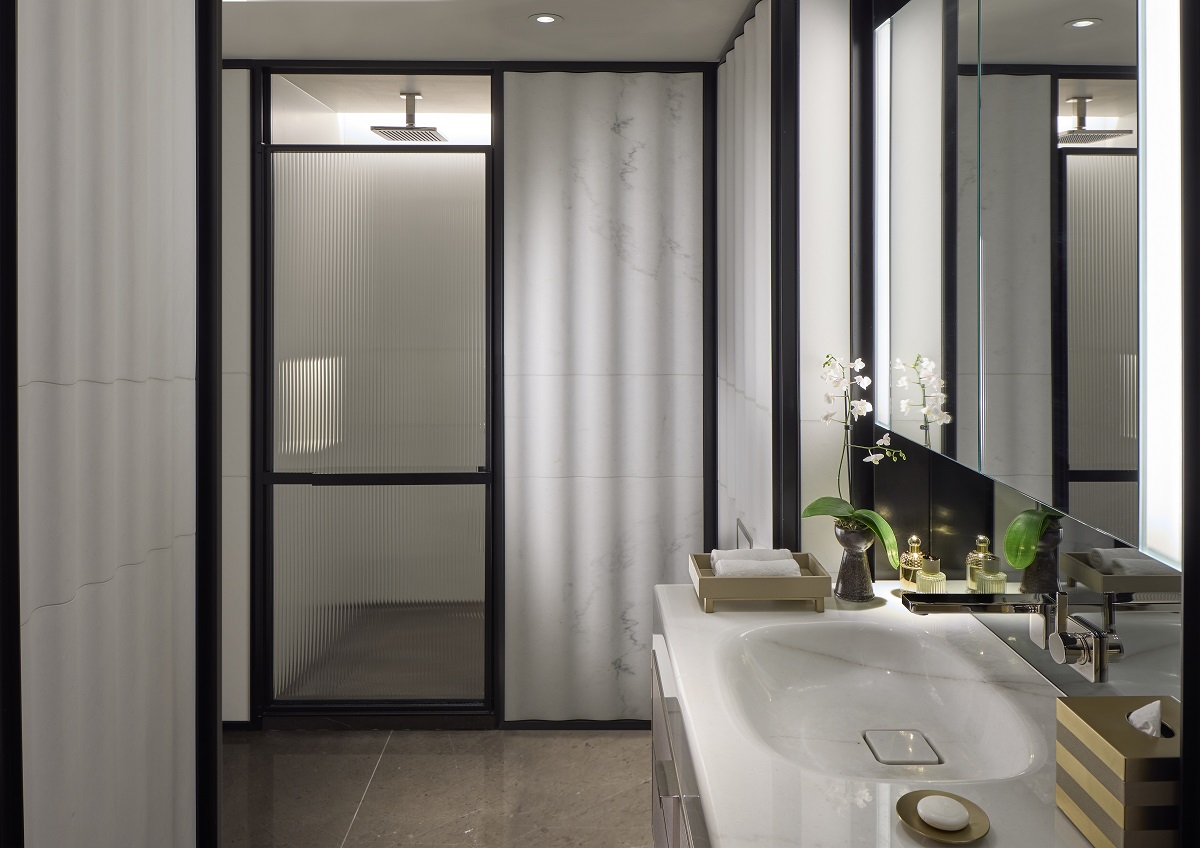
[(830, 375), (828, 397), (924, 363), (898, 365), (925, 374), (858, 364), (875, 458), (839, 360), (886, 440), (863, 382), (841, 384), (943, 418), (901, 382), (828, 416), (905, 403), (859, 408), (937, 395)]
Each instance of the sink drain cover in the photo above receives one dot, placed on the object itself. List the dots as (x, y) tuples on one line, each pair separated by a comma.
[(901, 748)]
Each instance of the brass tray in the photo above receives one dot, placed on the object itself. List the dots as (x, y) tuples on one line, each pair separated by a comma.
[(1074, 566), (977, 826), (812, 584)]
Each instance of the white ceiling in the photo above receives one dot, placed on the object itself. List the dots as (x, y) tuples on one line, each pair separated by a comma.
[(591, 30), (1033, 32), (440, 94)]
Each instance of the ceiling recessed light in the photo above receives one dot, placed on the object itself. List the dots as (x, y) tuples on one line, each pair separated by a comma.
[(545, 18), (1079, 23)]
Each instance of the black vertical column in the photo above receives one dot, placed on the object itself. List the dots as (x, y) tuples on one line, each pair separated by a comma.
[(862, 227), (208, 423), (11, 796), (785, 293), (1189, 12), (710, 308)]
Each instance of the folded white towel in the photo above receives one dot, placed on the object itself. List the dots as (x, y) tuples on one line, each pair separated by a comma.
[(756, 568), (750, 555), (1102, 559), (1142, 567)]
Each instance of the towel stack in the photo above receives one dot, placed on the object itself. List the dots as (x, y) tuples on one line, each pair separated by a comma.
[(755, 562), (1127, 561)]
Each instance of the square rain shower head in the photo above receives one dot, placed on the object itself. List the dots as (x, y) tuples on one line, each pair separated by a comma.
[(409, 133)]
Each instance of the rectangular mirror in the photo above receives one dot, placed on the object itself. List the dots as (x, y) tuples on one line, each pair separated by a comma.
[(1006, 203)]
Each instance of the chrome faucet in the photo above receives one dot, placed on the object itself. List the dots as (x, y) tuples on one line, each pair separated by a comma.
[(1071, 639)]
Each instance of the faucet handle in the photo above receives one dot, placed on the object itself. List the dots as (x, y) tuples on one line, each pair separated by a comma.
[(1061, 613)]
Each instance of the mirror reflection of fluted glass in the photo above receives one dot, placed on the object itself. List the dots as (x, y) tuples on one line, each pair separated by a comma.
[(380, 311), (379, 592)]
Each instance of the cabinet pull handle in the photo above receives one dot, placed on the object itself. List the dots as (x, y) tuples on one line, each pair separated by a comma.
[(666, 779)]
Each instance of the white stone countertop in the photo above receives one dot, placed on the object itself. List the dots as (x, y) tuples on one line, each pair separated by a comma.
[(752, 795)]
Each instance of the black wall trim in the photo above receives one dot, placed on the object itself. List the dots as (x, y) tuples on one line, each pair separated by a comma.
[(785, 290), (1066, 71), (1189, 14), (381, 721), (208, 424), (12, 805), (227, 726), (949, 220), (283, 66), (494, 661), (304, 478), (862, 225), (1092, 476), (577, 724), (710, 308)]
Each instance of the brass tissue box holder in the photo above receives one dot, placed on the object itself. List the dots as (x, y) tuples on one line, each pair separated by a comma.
[(1119, 786), (812, 584), (1075, 567)]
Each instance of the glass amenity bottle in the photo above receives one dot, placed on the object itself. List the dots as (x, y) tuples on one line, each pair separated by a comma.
[(991, 581), (930, 580), (977, 560), (910, 564)]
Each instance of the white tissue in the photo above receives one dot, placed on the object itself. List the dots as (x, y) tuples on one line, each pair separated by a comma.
[(756, 568), (1148, 719), (754, 554)]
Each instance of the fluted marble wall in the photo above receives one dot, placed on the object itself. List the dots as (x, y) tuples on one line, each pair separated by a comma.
[(106, 377), (603, 380), (744, 482)]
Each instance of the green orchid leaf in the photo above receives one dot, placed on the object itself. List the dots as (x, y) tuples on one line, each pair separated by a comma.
[(882, 529), (836, 507), (1021, 537)]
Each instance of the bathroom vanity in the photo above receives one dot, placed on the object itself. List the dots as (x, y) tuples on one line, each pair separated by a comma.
[(760, 711)]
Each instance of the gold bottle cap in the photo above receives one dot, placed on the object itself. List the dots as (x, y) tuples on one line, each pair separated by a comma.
[(914, 544), (982, 543)]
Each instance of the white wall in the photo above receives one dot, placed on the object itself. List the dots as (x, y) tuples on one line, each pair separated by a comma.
[(603, 375), (106, 375), (299, 118), (235, 395), (744, 481), (824, 249)]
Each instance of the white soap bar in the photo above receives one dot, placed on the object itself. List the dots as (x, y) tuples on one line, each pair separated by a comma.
[(942, 812)]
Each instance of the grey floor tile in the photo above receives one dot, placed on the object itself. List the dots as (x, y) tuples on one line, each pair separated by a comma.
[(483, 789), (295, 789)]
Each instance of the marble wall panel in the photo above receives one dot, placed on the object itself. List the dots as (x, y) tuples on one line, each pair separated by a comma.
[(106, 396), (603, 363)]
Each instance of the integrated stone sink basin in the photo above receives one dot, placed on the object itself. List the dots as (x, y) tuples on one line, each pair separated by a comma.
[(809, 690)]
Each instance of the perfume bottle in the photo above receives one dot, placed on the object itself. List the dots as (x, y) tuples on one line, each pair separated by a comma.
[(976, 560), (991, 581), (930, 580), (910, 564)]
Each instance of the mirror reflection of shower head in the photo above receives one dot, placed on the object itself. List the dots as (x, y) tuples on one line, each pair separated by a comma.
[(410, 132), (1080, 134)]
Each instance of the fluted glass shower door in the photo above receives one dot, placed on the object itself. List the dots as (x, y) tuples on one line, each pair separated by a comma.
[(379, 478)]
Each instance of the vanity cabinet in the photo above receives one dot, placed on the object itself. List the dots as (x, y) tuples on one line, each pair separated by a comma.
[(676, 813)]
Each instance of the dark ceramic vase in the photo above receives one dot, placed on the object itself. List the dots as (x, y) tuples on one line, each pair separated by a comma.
[(1041, 576), (854, 576)]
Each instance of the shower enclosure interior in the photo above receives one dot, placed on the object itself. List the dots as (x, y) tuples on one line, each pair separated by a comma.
[(374, 444)]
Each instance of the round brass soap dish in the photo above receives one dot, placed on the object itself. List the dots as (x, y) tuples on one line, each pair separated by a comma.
[(977, 826)]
